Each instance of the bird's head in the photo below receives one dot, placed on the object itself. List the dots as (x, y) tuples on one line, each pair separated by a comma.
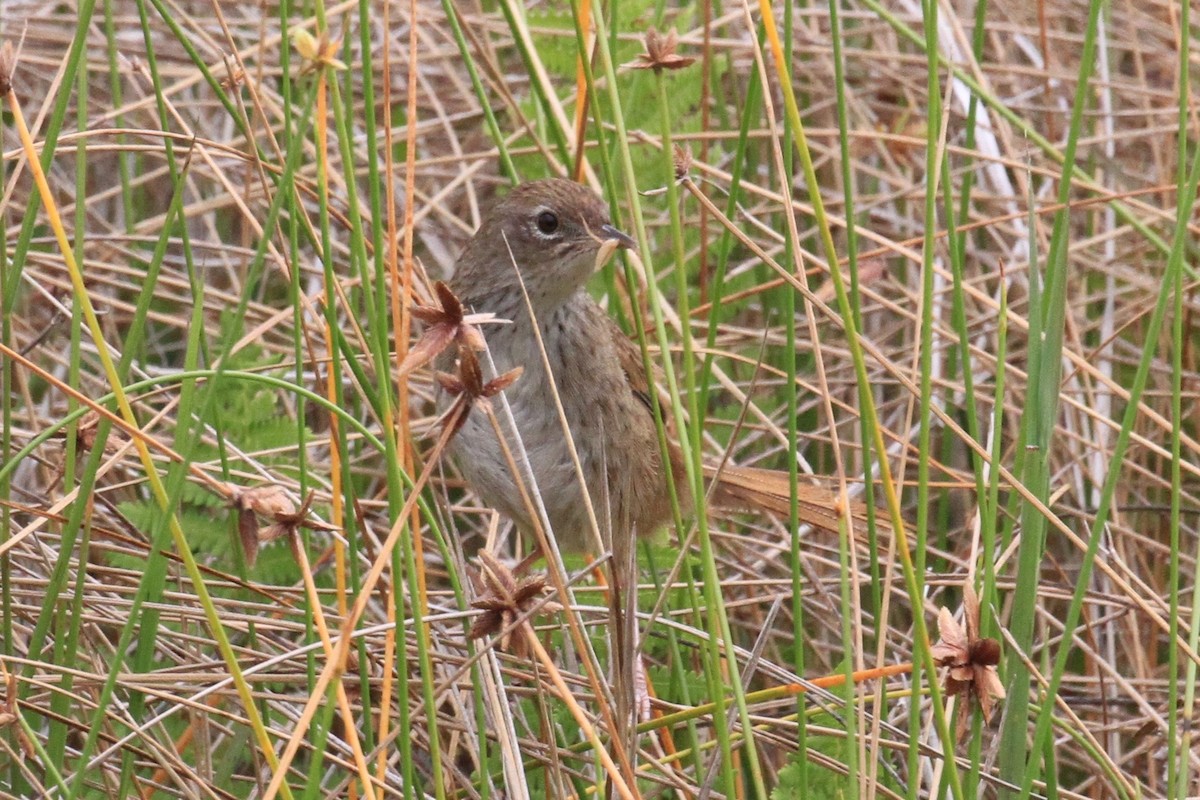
[(553, 233)]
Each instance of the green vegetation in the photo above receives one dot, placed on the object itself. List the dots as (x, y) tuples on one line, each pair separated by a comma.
[(945, 262)]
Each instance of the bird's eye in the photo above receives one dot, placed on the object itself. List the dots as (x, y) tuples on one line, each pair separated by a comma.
[(547, 222)]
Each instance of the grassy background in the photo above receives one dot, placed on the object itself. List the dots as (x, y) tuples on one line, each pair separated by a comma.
[(983, 324)]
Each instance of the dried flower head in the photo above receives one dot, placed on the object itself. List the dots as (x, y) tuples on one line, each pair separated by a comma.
[(8, 65), (235, 78), (445, 324), (504, 599), (10, 715), (272, 502), (683, 161), (660, 52), (469, 390), (8, 710), (971, 660), (318, 52), (86, 430)]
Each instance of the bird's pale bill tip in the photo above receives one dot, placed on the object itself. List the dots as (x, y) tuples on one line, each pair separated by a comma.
[(611, 240), (607, 248)]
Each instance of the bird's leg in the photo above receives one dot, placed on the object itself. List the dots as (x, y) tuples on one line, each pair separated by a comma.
[(629, 677)]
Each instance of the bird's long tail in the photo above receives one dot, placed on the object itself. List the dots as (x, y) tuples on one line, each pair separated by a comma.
[(751, 488)]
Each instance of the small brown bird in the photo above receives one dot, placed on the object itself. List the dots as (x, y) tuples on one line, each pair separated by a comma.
[(546, 236)]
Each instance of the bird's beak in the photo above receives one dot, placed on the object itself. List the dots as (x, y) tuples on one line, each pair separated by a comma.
[(622, 239)]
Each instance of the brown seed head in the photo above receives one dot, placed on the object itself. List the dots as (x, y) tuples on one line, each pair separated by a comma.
[(504, 598), (683, 162), (8, 65), (985, 652), (971, 660), (660, 52)]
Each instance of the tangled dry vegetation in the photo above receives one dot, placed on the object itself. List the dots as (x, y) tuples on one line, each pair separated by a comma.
[(234, 201)]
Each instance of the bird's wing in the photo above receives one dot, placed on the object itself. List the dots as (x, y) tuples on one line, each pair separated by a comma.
[(629, 355)]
